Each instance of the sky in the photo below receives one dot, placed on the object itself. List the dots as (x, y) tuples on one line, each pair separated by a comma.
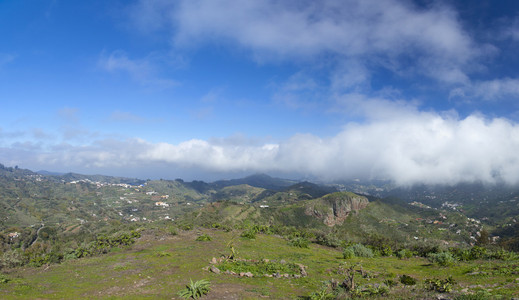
[(401, 90)]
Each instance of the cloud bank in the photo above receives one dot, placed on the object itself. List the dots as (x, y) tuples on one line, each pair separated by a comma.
[(419, 147), (386, 34)]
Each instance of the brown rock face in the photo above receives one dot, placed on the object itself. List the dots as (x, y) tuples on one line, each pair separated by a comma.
[(334, 208)]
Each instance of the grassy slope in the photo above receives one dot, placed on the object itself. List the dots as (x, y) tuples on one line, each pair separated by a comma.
[(158, 266)]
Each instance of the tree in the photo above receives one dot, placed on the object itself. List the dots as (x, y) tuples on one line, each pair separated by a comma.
[(483, 238)]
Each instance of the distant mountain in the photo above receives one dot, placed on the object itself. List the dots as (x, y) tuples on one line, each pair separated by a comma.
[(14, 171), (100, 178), (49, 173), (312, 189), (258, 180)]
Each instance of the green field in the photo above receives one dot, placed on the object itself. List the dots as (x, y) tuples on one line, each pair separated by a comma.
[(158, 265)]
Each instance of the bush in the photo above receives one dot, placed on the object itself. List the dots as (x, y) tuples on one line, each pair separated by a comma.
[(329, 240), (404, 254), (203, 238), (259, 268), (249, 234), (407, 280), (440, 285), (390, 283), (503, 255), (173, 231), (442, 259), (424, 248), (360, 250), (196, 289), (186, 227), (4, 278), (323, 294), (299, 242), (348, 253), (477, 252)]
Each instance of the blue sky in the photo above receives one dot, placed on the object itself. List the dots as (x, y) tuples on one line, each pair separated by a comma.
[(412, 91)]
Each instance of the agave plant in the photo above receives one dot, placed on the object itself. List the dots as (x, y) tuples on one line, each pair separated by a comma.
[(195, 289)]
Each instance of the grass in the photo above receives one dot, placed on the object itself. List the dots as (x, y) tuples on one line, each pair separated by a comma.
[(143, 272)]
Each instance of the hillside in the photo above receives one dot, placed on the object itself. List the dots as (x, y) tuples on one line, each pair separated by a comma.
[(159, 265), (51, 225)]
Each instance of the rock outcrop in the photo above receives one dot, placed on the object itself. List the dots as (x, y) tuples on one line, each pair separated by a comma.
[(334, 208)]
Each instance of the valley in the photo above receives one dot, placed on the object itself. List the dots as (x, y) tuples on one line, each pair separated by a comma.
[(150, 237)]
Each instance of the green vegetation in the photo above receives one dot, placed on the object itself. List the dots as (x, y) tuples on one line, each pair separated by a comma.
[(259, 268), (357, 250), (195, 289), (407, 280), (203, 238), (440, 285), (442, 259), (72, 237)]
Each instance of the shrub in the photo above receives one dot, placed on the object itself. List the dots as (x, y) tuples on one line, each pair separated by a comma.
[(361, 251), (299, 242), (407, 280), (329, 240), (477, 252), (390, 283), (12, 258), (249, 234), (440, 285), (4, 278), (323, 294), (348, 253), (404, 253), (502, 254), (172, 231), (372, 290), (460, 254), (386, 250), (196, 289), (203, 238), (186, 227), (259, 268), (424, 248), (442, 259)]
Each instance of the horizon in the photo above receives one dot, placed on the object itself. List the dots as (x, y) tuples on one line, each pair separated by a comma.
[(405, 90)]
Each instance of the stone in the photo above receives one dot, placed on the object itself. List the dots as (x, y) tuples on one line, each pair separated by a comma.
[(215, 270), (214, 261)]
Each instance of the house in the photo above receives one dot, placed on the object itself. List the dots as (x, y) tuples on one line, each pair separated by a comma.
[(13, 235), (160, 203)]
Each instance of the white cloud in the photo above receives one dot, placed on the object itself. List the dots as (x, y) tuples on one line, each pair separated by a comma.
[(390, 33), (406, 147), (496, 89)]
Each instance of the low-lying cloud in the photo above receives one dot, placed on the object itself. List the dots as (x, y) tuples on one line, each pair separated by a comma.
[(419, 147)]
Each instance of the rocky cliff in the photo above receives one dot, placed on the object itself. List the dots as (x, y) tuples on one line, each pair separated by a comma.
[(334, 208)]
